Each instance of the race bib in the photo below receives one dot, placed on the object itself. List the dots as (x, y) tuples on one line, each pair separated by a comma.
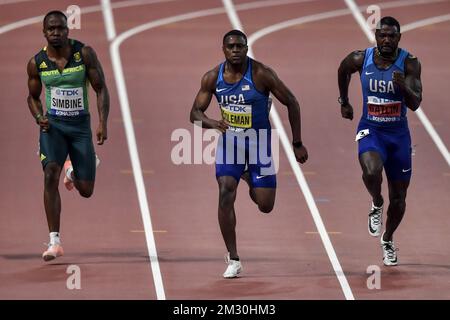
[(238, 116), (67, 102), (361, 134), (383, 110)]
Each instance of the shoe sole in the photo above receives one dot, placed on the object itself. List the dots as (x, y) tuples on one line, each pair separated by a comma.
[(235, 276), (376, 234), (48, 257)]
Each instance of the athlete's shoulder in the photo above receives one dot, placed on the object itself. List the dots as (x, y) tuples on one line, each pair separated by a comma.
[(211, 75), (357, 56), (41, 53), (38, 61), (354, 60), (411, 57), (359, 53), (88, 55), (261, 70), (412, 64), (32, 66), (77, 44)]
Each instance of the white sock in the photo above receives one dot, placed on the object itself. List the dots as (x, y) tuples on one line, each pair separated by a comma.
[(69, 173), (375, 207), (97, 160), (54, 238)]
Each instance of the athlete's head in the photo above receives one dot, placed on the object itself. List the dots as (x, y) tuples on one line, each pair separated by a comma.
[(387, 35), (235, 46), (55, 28)]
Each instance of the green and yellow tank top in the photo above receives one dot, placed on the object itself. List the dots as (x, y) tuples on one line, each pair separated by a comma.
[(66, 92)]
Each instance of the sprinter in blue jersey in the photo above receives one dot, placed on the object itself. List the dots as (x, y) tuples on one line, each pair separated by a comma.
[(390, 80), (242, 87)]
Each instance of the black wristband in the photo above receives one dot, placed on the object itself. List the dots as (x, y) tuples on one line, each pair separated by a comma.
[(297, 144), (343, 100)]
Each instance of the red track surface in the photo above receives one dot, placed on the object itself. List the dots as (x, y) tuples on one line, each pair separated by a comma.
[(282, 256)]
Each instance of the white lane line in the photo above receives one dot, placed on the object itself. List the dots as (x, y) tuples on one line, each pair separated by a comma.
[(199, 14), (13, 1), (425, 22), (361, 20), (289, 23), (433, 134), (329, 14), (419, 112), (108, 18), (303, 184), (131, 3), (134, 157), (90, 9), (233, 17)]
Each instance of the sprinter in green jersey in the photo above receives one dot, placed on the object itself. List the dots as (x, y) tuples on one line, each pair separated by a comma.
[(65, 67)]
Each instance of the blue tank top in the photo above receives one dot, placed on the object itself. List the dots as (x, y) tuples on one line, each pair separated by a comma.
[(242, 106), (383, 102)]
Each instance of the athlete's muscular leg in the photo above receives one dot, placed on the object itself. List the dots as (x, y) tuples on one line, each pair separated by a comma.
[(372, 167), (227, 217), (85, 188), (263, 197), (52, 199), (397, 206)]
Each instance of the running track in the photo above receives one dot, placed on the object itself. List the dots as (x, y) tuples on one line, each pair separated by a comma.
[(283, 254)]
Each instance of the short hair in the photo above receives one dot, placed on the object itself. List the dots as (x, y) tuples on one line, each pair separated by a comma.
[(389, 21), (54, 13), (234, 32)]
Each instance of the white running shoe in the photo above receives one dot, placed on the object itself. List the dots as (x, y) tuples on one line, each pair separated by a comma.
[(389, 252), (233, 269), (375, 221)]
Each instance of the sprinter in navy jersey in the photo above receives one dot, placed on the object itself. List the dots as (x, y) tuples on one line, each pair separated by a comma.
[(390, 80), (242, 87)]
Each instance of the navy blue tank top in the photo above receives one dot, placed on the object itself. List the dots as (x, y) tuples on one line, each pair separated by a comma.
[(242, 106), (383, 102)]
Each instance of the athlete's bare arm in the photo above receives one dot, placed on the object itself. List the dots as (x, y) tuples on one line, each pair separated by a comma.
[(351, 64), (266, 77), (410, 83), (202, 101), (34, 93), (96, 77)]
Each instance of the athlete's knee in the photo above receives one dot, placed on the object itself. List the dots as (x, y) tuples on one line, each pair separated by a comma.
[(51, 175), (266, 207), (86, 193), (227, 194), (372, 173), (398, 201), (85, 189)]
